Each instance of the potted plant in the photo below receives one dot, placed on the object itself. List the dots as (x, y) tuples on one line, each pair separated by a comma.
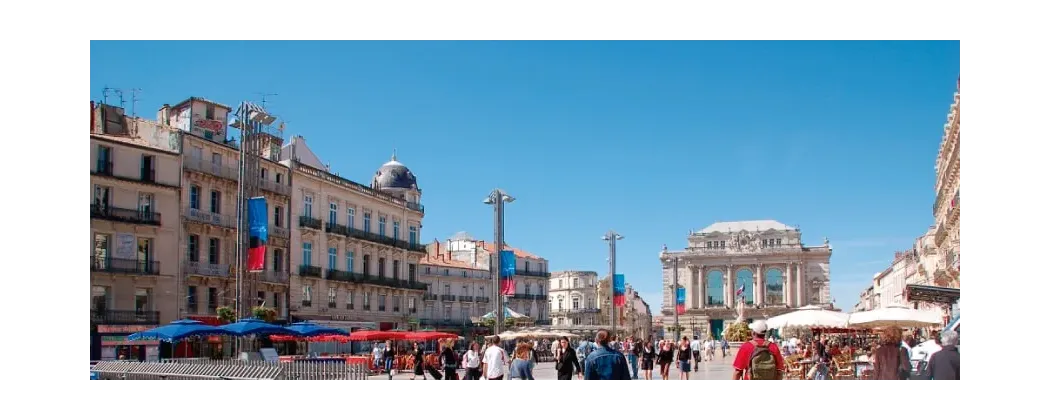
[(738, 332), (226, 314), (265, 313)]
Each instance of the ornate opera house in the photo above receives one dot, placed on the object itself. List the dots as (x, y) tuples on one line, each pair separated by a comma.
[(765, 258)]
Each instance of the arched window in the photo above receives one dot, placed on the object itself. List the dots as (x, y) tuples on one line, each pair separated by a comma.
[(746, 279), (715, 289), (774, 286)]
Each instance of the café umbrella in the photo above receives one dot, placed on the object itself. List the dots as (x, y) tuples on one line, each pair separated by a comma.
[(178, 330), (255, 326), (309, 329)]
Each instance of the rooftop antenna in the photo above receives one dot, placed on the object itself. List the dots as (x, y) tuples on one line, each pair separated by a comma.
[(264, 96), (107, 90), (134, 100)]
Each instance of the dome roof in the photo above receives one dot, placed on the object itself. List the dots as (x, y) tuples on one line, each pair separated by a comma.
[(394, 174)]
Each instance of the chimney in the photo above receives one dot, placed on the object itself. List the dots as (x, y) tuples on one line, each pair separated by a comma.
[(92, 117), (164, 115)]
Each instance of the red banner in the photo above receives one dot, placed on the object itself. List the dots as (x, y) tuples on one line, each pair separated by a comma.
[(256, 258)]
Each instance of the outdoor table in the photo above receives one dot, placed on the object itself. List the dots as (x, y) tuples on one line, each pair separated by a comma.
[(859, 367), (805, 365)]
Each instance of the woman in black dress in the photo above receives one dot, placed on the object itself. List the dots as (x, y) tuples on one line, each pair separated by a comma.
[(417, 352), (648, 354), (684, 357), (448, 360), (565, 361), (388, 359), (664, 358)]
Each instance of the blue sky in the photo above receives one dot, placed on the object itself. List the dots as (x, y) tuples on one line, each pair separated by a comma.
[(651, 139)]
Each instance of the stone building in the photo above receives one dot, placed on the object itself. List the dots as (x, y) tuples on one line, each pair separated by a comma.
[(946, 205), (458, 292), (766, 258), (573, 298)]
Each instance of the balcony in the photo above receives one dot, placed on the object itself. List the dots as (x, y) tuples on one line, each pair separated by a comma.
[(544, 274), (124, 266), (206, 167), (584, 311), (145, 176), (346, 183), (339, 275), (388, 282), (271, 186), (117, 214), (331, 304), (309, 271), (430, 296), (366, 307), (309, 222), (382, 308), (307, 303), (466, 298), (207, 217), (482, 299), (124, 317), (280, 232), (336, 229), (411, 310), (103, 168), (197, 268), (384, 240), (541, 322), (276, 277), (448, 298)]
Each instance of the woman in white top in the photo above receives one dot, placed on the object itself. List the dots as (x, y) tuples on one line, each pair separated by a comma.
[(472, 362)]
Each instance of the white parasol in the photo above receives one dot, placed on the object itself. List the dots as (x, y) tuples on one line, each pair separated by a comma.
[(895, 316), (809, 317)]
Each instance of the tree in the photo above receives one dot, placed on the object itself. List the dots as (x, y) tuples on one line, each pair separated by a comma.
[(739, 331)]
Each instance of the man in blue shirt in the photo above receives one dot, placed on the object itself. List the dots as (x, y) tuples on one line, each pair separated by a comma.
[(605, 363)]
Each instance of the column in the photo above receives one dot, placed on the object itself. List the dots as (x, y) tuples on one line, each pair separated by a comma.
[(694, 288), (759, 286), (800, 285), (703, 287), (728, 289), (789, 285)]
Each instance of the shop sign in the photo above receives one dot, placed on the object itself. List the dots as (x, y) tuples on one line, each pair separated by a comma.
[(124, 329)]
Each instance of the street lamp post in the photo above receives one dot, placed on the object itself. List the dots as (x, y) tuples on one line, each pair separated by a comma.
[(496, 198), (611, 236)]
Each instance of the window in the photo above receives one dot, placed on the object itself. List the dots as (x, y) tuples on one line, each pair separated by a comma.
[(368, 222), (145, 253), (308, 253), (560, 284), (464, 312), (213, 299), (528, 310), (412, 235), (397, 303), (263, 174), (193, 251), (308, 205), (722, 244), (448, 313), (481, 291), (331, 296), (774, 280), (195, 197), (332, 254), (333, 213), (560, 303), (540, 291), (216, 162), (101, 250), (411, 272), (191, 299), (278, 211), (397, 229), (213, 250), (444, 272), (350, 299), (216, 202), (146, 205), (349, 260), (367, 301), (278, 260), (575, 283), (350, 217), (102, 197), (575, 303), (464, 273), (715, 289), (397, 270), (260, 297), (426, 270), (100, 298), (382, 226), (148, 170), (778, 242), (279, 177), (590, 303), (465, 290), (382, 267), (366, 262), (104, 162), (527, 288), (411, 304), (143, 300), (382, 303), (209, 112), (308, 295), (277, 302)]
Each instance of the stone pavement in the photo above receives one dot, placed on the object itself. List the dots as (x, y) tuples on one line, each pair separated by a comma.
[(718, 369)]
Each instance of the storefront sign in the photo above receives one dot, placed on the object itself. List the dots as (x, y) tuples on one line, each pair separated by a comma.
[(124, 329), (214, 126), (122, 340)]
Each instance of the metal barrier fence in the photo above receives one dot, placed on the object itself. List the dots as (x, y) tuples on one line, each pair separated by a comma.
[(205, 369)]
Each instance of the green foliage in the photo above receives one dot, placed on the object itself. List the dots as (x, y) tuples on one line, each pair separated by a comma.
[(226, 314), (739, 331), (264, 313)]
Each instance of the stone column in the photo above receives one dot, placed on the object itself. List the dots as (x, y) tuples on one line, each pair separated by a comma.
[(789, 285), (703, 287), (694, 283), (728, 289), (800, 285), (759, 286)]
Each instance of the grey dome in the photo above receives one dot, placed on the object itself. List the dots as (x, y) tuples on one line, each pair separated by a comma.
[(394, 174)]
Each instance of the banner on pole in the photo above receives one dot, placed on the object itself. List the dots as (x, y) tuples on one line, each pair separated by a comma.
[(506, 276), (258, 233), (679, 302), (619, 290)]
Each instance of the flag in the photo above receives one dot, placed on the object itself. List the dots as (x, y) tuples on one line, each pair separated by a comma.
[(506, 276), (619, 290), (740, 291), (258, 233), (679, 302)]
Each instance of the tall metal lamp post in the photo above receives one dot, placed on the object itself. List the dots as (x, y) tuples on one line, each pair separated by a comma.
[(497, 198), (611, 236)]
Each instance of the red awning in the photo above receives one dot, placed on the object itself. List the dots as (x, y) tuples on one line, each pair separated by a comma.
[(429, 335), (372, 335)]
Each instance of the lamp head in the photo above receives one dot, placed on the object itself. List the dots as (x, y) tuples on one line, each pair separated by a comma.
[(508, 199), (488, 200)]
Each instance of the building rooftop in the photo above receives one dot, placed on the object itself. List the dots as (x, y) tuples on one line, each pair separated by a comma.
[(748, 225)]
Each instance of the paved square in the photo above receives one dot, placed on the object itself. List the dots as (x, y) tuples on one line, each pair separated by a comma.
[(717, 369)]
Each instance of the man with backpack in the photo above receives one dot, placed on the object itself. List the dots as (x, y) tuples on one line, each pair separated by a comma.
[(758, 359)]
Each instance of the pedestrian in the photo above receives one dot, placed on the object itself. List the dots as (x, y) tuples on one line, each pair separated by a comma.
[(605, 363), (944, 364), (684, 354), (758, 359), (448, 359), (417, 362), (632, 356), (891, 361), (664, 357), (388, 359), (494, 363), (725, 346), (521, 366), (648, 355), (377, 356), (695, 347), (565, 361), (472, 362)]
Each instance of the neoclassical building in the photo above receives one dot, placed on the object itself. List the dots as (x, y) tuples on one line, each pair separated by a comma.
[(946, 208), (574, 298), (764, 257)]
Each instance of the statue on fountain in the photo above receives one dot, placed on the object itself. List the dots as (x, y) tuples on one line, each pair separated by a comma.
[(740, 309)]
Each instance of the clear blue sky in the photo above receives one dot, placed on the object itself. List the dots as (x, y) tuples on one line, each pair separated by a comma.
[(649, 138)]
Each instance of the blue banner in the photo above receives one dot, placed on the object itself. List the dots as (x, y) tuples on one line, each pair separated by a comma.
[(619, 289), (508, 265), (258, 233)]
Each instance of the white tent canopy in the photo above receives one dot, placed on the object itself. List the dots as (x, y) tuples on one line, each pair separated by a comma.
[(811, 317), (895, 316)]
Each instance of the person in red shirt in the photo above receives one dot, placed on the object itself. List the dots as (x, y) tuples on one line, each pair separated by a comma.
[(743, 357)]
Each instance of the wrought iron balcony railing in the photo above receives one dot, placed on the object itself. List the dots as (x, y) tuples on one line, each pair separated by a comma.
[(309, 222), (124, 317), (520, 272), (276, 277), (207, 217), (384, 240), (271, 186), (124, 266), (466, 298), (117, 214), (339, 275), (430, 296), (207, 167), (336, 229), (448, 298), (310, 271), (204, 269), (280, 232)]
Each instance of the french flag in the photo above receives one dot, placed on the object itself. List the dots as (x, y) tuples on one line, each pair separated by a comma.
[(740, 291)]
